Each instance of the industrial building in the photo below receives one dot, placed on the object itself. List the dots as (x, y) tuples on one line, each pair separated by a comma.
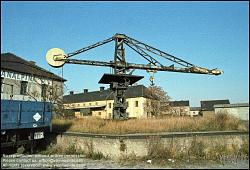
[(194, 111), (24, 80), (179, 108), (207, 106), (100, 103), (239, 110)]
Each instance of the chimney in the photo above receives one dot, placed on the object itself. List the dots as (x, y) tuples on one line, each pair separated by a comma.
[(85, 90), (102, 88), (71, 92)]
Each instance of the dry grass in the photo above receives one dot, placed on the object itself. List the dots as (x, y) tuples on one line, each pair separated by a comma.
[(169, 124), (197, 150)]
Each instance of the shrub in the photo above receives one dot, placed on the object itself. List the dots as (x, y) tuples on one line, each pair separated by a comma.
[(196, 150), (157, 149)]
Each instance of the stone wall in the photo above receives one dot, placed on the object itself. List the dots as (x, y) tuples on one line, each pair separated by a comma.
[(120, 147)]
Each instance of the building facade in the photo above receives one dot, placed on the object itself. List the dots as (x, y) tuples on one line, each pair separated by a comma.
[(207, 106), (179, 108), (239, 110), (194, 111), (100, 103), (24, 80)]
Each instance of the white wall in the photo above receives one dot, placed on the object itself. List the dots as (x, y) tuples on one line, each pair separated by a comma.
[(239, 112)]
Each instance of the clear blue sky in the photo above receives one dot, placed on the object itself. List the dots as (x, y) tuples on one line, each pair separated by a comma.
[(207, 34)]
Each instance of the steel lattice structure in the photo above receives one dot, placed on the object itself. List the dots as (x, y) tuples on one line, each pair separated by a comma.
[(120, 80)]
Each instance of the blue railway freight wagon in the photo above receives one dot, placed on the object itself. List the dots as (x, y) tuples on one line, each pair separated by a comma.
[(24, 122)]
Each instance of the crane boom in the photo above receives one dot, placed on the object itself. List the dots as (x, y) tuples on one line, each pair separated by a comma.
[(142, 46)]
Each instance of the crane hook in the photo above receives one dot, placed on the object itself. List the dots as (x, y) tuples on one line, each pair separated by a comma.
[(151, 78)]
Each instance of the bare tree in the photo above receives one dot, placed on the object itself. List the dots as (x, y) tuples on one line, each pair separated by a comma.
[(157, 101)]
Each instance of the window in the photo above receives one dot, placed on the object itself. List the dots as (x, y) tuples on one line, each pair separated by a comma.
[(127, 104), (109, 105), (100, 113), (23, 87), (90, 104), (2, 84), (96, 103), (44, 88), (136, 103)]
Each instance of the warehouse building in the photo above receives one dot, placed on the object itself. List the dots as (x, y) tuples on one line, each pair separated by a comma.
[(24, 80), (179, 108), (239, 110), (207, 107), (100, 103)]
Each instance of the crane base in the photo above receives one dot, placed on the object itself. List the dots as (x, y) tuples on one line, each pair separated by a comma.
[(119, 83)]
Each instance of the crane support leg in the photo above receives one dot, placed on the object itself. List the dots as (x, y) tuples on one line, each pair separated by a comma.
[(119, 106)]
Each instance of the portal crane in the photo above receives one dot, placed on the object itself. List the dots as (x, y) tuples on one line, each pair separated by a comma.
[(120, 79)]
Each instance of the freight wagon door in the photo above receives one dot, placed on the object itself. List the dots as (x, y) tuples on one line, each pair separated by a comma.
[(35, 114), (9, 114)]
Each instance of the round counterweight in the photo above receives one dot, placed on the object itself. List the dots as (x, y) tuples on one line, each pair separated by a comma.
[(54, 56)]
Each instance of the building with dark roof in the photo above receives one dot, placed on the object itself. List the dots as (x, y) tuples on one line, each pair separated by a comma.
[(179, 108), (100, 103), (207, 107), (102, 94), (24, 80), (11, 62), (179, 103)]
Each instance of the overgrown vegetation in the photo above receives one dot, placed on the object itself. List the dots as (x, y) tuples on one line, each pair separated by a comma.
[(61, 150), (196, 150), (217, 122), (157, 149), (72, 149), (90, 151)]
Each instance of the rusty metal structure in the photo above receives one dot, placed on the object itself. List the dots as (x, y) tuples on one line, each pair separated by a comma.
[(122, 75)]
